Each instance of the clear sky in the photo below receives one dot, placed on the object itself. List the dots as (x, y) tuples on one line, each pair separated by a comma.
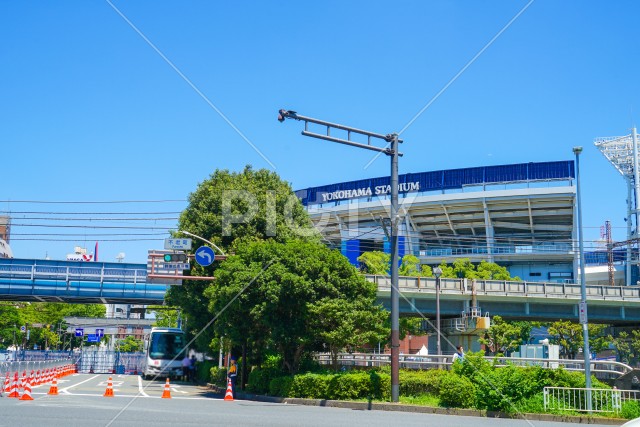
[(95, 110)]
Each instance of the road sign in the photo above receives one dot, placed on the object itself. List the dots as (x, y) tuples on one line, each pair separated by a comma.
[(175, 266), (177, 244), (205, 256), (79, 332), (93, 338), (583, 313), (23, 328), (100, 332)]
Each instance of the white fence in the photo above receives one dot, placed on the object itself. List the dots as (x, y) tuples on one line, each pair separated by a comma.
[(591, 400)]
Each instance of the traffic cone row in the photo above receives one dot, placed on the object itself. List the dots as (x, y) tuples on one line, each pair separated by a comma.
[(53, 390), (166, 394), (14, 392), (109, 391)]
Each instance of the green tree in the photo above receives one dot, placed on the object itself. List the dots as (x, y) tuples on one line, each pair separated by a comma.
[(215, 211), (129, 344), (291, 293), (166, 317), (410, 266), (348, 324), (501, 336), (375, 262), (568, 335)]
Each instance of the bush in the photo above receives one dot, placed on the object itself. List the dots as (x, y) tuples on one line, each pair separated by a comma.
[(415, 383), (349, 386), (203, 370), (280, 386), (311, 386), (260, 379), (630, 409), (380, 387), (456, 391), (218, 376)]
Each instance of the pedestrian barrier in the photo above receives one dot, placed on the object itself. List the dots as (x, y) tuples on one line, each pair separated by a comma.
[(229, 394), (587, 399), (109, 391), (166, 394)]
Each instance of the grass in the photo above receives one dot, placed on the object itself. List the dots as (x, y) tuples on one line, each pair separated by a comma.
[(421, 400)]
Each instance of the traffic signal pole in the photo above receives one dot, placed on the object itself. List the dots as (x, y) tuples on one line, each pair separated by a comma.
[(391, 150)]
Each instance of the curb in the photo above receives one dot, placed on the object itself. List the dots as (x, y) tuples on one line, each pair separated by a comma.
[(371, 406)]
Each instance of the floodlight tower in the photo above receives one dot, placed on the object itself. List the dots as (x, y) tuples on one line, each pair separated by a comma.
[(622, 153)]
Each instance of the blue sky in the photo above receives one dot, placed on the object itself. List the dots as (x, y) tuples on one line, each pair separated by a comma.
[(91, 112)]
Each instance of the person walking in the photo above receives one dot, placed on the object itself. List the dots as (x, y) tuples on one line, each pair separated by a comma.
[(192, 368), (186, 367), (232, 374), (459, 354)]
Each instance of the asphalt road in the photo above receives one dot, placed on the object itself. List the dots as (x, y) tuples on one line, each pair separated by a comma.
[(137, 403)]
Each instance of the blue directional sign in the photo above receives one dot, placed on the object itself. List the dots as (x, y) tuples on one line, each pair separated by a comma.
[(205, 256), (93, 338), (100, 332), (79, 332)]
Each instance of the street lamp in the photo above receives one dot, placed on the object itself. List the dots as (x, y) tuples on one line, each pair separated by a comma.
[(438, 272), (583, 284), (201, 238), (391, 150)]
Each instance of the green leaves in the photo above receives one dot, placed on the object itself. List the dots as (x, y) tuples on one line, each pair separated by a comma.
[(303, 295)]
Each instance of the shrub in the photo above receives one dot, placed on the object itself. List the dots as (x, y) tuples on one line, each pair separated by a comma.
[(415, 383), (349, 386), (280, 386), (630, 409), (456, 391), (260, 379), (311, 386), (380, 385), (218, 376)]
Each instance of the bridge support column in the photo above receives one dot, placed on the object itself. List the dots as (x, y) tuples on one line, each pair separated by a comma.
[(622, 313), (526, 308)]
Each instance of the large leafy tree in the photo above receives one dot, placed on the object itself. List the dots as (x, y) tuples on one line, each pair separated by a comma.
[(296, 297), (569, 336), (229, 208), (375, 262), (501, 336)]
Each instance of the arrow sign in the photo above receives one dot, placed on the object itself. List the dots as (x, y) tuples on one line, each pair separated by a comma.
[(205, 256), (79, 332)]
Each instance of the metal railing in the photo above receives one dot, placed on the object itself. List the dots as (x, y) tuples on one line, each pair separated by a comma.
[(67, 273), (570, 399), (600, 368), (507, 288)]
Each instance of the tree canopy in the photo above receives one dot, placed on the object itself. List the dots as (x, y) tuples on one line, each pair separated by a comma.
[(295, 297)]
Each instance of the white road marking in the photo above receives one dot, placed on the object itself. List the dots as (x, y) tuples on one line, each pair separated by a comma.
[(66, 389), (140, 388)]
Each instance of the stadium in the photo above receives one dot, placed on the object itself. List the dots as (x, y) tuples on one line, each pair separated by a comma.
[(521, 216)]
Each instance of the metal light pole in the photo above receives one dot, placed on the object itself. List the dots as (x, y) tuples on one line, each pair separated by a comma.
[(438, 272), (583, 284), (201, 238), (391, 150)]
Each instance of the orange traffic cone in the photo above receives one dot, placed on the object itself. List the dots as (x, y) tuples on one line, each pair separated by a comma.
[(229, 394), (14, 387), (7, 384), (166, 394), (53, 390), (109, 391), (27, 391)]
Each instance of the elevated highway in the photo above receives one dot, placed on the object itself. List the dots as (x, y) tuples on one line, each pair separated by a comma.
[(617, 305)]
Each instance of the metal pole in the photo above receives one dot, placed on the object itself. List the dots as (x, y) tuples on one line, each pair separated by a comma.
[(395, 295), (583, 285), (439, 349)]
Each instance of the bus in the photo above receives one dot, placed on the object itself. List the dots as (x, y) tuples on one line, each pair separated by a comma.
[(163, 349)]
